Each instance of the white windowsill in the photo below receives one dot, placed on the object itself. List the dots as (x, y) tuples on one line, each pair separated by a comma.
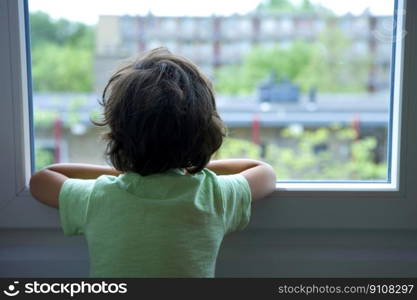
[(336, 186)]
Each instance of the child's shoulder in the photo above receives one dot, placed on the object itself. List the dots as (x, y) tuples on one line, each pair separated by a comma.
[(104, 182)]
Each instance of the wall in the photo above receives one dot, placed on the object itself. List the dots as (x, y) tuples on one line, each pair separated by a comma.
[(250, 253)]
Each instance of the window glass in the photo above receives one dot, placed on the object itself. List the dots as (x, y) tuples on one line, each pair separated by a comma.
[(304, 85)]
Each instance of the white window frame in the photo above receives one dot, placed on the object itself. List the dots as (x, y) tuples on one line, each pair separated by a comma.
[(293, 205)]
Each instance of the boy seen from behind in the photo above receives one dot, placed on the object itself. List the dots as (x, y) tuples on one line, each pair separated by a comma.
[(163, 209)]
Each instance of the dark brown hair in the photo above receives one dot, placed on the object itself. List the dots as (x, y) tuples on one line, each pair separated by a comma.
[(161, 114)]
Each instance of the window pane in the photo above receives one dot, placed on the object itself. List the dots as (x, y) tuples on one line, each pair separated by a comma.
[(303, 85)]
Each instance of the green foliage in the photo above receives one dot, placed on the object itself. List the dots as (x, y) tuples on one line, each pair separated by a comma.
[(288, 6), (332, 68), (260, 62), (302, 162), (62, 54), (59, 32), (61, 68), (327, 65), (43, 158), (276, 6), (306, 5), (233, 147), (44, 118), (362, 160)]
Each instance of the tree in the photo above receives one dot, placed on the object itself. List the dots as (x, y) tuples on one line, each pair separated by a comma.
[(260, 62), (306, 5), (326, 64), (276, 6), (332, 67), (288, 6), (62, 68), (304, 162), (62, 54), (59, 32), (43, 158)]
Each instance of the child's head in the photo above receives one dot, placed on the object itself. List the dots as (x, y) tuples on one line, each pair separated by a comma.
[(161, 114)]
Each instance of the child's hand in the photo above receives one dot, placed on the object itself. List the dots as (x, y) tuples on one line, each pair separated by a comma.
[(260, 176)]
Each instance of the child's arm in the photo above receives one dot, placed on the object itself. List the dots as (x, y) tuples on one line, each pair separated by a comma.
[(260, 176), (45, 184)]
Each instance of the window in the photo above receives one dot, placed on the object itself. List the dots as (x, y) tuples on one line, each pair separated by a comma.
[(314, 104), (364, 204)]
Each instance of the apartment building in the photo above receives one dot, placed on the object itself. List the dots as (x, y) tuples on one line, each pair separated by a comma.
[(215, 41)]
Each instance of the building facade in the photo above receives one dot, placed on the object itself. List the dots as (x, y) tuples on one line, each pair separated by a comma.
[(215, 41)]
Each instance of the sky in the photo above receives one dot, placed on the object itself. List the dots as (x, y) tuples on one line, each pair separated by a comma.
[(87, 11)]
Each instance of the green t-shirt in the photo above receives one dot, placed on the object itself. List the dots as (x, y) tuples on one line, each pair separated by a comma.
[(162, 225)]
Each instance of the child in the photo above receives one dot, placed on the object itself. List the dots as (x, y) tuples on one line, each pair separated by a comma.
[(164, 208)]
